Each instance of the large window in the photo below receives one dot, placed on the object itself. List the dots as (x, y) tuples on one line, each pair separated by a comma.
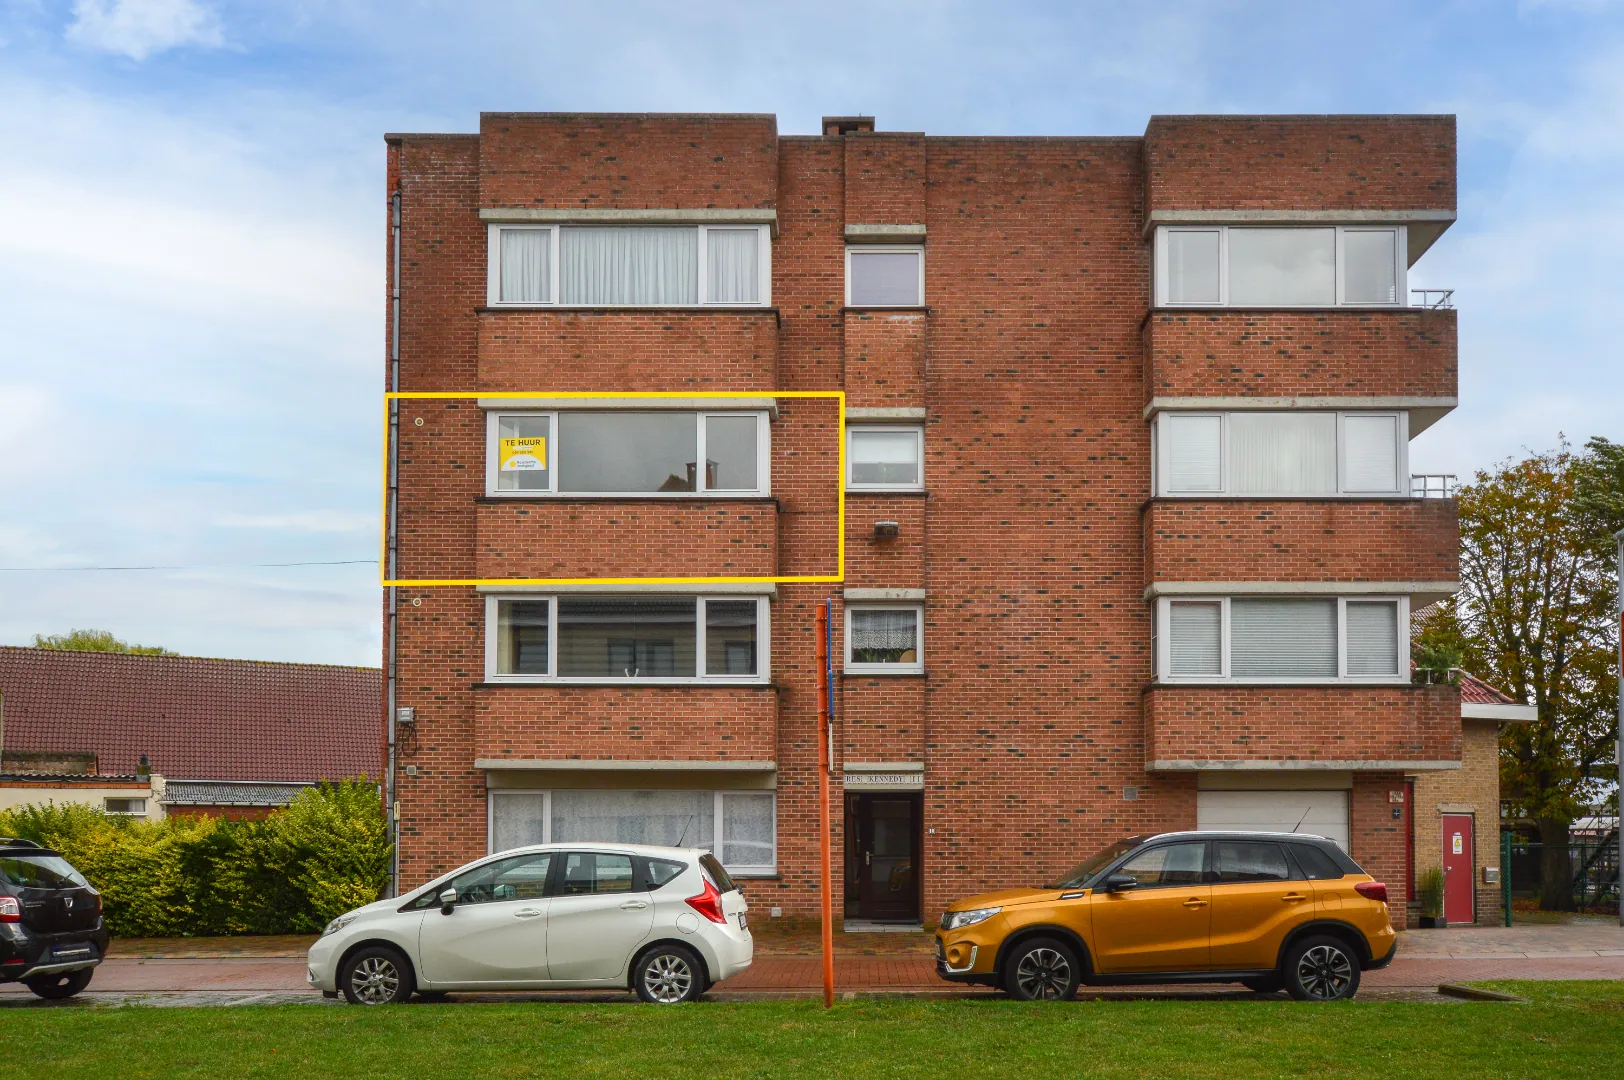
[(739, 826), (1271, 266), (885, 458), (629, 265), (1281, 453), (885, 639), (627, 453), (1283, 639), (885, 276), (604, 637)]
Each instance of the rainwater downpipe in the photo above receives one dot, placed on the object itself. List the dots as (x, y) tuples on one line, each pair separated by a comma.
[(391, 800)]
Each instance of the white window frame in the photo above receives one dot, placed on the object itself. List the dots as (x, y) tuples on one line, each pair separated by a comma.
[(125, 799), (852, 667), (763, 646), (1400, 269), (718, 835), (1164, 649), (886, 249), (1161, 468), (918, 432), (493, 266), (763, 487)]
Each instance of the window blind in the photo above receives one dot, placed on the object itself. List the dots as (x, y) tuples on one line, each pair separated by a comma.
[(1194, 445), (1194, 638), (1370, 456), (1192, 267), (1282, 453), (733, 266), (884, 457), (1372, 637), (1282, 638)]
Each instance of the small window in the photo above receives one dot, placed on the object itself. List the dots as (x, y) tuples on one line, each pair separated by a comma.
[(1240, 861), (590, 872), (1195, 638), (885, 276), (749, 829), (521, 452), (885, 458), (520, 877), (628, 453), (521, 637), (1195, 450), (1372, 634), (135, 807), (1315, 863), (884, 640), (1370, 266), (526, 265), (730, 637), (1171, 864), (662, 872), (1192, 266), (1371, 453)]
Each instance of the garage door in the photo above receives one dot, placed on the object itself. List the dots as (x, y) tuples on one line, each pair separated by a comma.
[(1324, 813)]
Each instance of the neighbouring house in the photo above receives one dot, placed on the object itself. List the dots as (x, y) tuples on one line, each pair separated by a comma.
[(1455, 814), (1130, 533), (152, 736)]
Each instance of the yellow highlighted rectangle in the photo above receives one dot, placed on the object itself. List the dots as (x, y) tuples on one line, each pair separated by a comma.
[(839, 396)]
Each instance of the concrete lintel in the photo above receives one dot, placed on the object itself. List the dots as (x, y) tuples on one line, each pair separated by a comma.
[(732, 588), (1506, 714), (620, 765), (1424, 411), (1424, 226), (905, 414), (883, 594), (1301, 588), (565, 215), (884, 766), (640, 403), (1278, 765), (885, 234)]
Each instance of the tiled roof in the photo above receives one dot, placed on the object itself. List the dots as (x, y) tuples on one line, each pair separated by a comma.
[(194, 717), (1475, 691), (209, 793)]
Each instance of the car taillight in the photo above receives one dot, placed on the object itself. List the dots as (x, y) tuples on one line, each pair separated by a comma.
[(10, 909), (1372, 890), (708, 904)]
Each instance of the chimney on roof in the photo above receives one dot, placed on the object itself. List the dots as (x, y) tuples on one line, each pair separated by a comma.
[(847, 125), (144, 768)]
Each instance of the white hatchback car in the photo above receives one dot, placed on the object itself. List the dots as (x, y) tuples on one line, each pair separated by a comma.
[(664, 922)]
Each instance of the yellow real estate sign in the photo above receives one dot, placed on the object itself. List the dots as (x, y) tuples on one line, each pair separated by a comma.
[(521, 455)]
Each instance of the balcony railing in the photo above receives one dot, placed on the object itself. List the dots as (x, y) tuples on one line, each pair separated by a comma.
[(1433, 485), (1433, 299)]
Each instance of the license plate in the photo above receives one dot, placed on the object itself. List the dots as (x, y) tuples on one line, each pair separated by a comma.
[(742, 925), (72, 952)]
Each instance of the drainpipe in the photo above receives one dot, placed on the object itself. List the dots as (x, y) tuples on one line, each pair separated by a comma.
[(391, 801)]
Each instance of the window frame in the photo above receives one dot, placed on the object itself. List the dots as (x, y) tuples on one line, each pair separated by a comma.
[(1162, 643), (106, 809), (1162, 467), (1400, 266), (917, 430), (763, 645), (916, 667), (886, 249), (718, 834), (493, 265), (493, 420)]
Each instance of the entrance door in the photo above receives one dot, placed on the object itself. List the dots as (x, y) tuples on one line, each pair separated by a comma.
[(1460, 903), (882, 856)]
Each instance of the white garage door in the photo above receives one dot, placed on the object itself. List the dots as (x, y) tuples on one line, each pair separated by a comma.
[(1323, 813)]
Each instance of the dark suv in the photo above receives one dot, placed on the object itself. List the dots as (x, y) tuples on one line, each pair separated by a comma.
[(51, 932)]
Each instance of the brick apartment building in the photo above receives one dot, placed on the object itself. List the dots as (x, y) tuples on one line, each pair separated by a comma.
[(1130, 540)]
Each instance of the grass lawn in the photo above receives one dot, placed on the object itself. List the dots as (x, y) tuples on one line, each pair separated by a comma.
[(1569, 1030)]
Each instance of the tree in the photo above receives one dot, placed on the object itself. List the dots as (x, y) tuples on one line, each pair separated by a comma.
[(95, 641), (1535, 618)]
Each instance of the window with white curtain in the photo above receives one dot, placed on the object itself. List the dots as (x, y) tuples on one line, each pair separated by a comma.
[(885, 458), (1267, 639), (616, 638), (884, 639), (1275, 266), (1266, 453), (629, 265), (740, 827)]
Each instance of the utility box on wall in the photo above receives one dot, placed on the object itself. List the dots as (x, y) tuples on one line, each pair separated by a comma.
[(1491, 875)]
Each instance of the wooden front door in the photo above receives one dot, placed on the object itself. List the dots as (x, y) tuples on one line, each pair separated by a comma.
[(882, 856), (1460, 903)]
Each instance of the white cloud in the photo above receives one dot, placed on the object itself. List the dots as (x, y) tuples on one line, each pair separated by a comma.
[(139, 28), (310, 521)]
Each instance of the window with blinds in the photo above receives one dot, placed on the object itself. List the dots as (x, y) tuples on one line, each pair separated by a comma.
[(1282, 639), (1195, 638), (628, 265), (1304, 454)]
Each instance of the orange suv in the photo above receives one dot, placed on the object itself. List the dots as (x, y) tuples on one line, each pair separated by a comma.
[(1272, 911)]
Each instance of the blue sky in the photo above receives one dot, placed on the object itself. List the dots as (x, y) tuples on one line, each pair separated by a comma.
[(192, 233)]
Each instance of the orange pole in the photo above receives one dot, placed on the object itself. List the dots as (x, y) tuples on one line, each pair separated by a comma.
[(826, 895)]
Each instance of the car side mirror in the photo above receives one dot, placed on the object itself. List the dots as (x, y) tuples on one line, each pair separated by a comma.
[(448, 901), (1121, 883)]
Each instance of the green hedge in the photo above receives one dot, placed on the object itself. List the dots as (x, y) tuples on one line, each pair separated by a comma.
[(326, 853)]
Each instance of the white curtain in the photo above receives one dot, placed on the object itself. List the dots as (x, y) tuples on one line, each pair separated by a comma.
[(1372, 637), (628, 265), (525, 265), (1193, 638), (670, 818), (734, 259), (1282, 453), (1195, 452), (1291, 267), (1192, 267), (747, 830), (517, 820), (884, 629), (1370, 266), (1282, 638), (1370, 453)]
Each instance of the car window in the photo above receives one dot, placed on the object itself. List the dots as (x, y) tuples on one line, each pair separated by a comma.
[(662, 872), (1171, 864), (518, 877), (595, 872), (1316, 864), (1080, 875), (719, 877), (1240, 860), (40, 872)]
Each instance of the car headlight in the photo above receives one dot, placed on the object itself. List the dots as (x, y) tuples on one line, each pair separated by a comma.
[(957, 920), (340, 923)]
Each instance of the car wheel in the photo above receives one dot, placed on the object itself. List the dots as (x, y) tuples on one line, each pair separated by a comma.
[(1268, 984), (63, 984), (1042, 969), (668, 975), (1322, 969), (376, 975)]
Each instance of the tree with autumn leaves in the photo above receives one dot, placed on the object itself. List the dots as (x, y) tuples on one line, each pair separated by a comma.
[(1537, 617)]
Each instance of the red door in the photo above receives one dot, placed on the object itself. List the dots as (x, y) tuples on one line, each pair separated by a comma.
[(1459, 903)]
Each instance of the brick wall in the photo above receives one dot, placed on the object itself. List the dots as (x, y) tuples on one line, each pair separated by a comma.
[(1473, 788), (675, 723), (584, 352)]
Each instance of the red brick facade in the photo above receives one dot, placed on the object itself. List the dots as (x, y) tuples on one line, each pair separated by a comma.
[(1037, 720)]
